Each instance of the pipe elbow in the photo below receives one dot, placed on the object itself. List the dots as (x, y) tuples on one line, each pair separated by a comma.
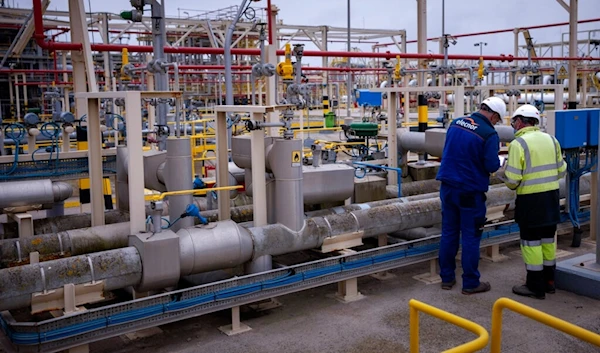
[(62, 191)]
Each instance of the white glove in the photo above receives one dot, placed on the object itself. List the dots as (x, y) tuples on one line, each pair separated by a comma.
[(500, 173)]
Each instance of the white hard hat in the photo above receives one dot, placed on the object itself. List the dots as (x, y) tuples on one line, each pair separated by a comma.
[(527, 111), (496, 105)]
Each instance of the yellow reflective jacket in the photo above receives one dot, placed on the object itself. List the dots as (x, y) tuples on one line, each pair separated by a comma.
[(535, 162)]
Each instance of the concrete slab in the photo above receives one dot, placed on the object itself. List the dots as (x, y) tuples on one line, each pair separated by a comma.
[(579, 275)]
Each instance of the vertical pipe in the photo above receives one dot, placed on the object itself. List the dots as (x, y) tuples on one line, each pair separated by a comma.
[(422, 116), (95, 162), (259, 196), (421, 37), (25, 100), (18, 97), (349, 83), (573, 53), (270, 22), (158, 44), (422, 112), (392, 138), (179, 177), (285, 160), (107, 56), (228, 58)]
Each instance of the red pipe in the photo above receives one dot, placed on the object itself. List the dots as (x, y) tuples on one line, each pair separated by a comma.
[(496, 31), (54, 46), (43, 83)]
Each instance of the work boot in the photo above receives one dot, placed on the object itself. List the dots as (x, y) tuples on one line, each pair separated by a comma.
[(550, 288), (448, 285), (481, 288), (526, 292)]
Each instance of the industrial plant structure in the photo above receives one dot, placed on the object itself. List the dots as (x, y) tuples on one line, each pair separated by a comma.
[(184, 172)]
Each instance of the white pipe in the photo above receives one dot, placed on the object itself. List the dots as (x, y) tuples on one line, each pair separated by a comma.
[(412, 82), (383, 84), (547, 79), (524, 80), (548, 97)]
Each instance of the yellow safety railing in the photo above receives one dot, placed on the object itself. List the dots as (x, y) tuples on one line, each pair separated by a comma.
[(548, 320), (473, 346), (158, 197)]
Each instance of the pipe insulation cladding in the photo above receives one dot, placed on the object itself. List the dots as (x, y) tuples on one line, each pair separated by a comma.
[(33, 192), (101, 238), (118, 268), (225, 242)]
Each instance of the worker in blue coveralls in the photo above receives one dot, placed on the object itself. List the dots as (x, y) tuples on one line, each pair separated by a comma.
[(470, 156)]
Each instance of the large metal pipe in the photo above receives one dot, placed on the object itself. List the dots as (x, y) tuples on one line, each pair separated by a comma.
[(64, 223), (289, 200), (71, 242), (276, 239), (573, 51), (118, 268), (80, 241), (206, 249), (33, 192), (179, 177), (232, 244), (416, 141)]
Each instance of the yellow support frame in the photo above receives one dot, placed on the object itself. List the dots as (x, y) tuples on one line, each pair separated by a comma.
[(539, 316), (473, 346)]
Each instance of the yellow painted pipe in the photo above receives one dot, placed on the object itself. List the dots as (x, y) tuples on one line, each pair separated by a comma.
[(161, 196), (473, 346), (539, 316)]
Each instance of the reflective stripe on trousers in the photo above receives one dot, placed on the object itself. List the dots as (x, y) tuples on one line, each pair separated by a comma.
[(538, 253)]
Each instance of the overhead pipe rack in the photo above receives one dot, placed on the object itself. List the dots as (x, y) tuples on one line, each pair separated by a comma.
[(54, 46)]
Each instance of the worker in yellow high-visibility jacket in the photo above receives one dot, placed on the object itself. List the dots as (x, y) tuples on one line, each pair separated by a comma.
[(534, 167)]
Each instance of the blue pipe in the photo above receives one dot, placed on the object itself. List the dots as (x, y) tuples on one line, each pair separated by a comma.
[(374, 166)]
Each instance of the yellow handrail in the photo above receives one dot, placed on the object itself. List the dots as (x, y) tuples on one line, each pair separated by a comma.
[(473, 346), (161, 196), (539, 316)]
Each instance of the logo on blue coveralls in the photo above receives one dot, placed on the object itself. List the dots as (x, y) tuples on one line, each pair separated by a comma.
[(468, 123)]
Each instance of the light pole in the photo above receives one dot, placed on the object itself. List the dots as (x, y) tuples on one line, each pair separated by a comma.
[(480, 45)]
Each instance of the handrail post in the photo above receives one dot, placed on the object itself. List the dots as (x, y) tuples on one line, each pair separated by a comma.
[(414, 327)]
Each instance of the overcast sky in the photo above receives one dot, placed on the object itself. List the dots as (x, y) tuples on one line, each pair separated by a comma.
[(462, 16)]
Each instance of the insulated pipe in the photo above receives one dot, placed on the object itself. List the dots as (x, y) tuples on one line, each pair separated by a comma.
[(226, 245), (231, 244), (179, 177), (118, 269), (80, 241), (289, 202), (33, 192), (71, 242), (276, 239), (416, 141)]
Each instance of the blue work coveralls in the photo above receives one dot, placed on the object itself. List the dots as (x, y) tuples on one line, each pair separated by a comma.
[(470, 155)]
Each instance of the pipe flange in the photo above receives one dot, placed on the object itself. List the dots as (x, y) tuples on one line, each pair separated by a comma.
[(257, 70), (129, 70), (269, 70)]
